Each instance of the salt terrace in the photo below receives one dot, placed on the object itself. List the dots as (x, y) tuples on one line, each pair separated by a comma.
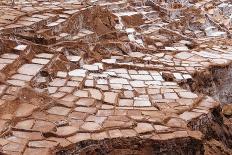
[(113, 77)]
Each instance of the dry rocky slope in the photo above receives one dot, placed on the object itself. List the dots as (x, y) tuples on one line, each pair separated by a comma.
[(128, 77)]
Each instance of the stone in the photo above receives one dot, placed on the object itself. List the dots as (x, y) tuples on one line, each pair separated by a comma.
[(58, 82), (99, 136), (95, 93), (119, 81), (18, 140), (62, 141), (44, 126), (128, 94), (85, 102), (73, 83), (161, 128), (195, 134), (52, 90), (77, 115), (188, 95), (176, 122), (187, 76), (81, 93), (184, 101), (128, 133), (170, 96), (3, 142), (143, 128), (61, 74), (27, 124), (107, 106), (113, 124), (42, 144), (58, 95), (125, 102), (78, 72), (59, 111), (166, 136), (68, 98), (90, 110), (91, 67), (37, 151), (20, 47), (66, 131), (91, 126), (14, 147), (66, 89), (102, 81), (40, 61), (110, 97), (184, 55), (115, 133), (74, 58), (79, 137), (22, 77), (103, 87), (181, 134), (158, 77), (116, 86), (30, 69), (24, 110), (28, 135), (178, 76), (142, 103), (44, 55), (104, 112), (209, 102), (141, 77), (89, 83), (10, 56), (96, 119), (137, 84), (188, 115), (16, 82)]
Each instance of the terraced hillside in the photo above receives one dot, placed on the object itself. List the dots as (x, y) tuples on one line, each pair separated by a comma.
[(109, 77)]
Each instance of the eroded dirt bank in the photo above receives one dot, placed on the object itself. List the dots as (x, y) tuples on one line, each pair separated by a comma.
[(138, 146)]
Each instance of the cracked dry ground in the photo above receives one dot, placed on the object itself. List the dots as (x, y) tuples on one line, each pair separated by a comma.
[(114, 77)]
